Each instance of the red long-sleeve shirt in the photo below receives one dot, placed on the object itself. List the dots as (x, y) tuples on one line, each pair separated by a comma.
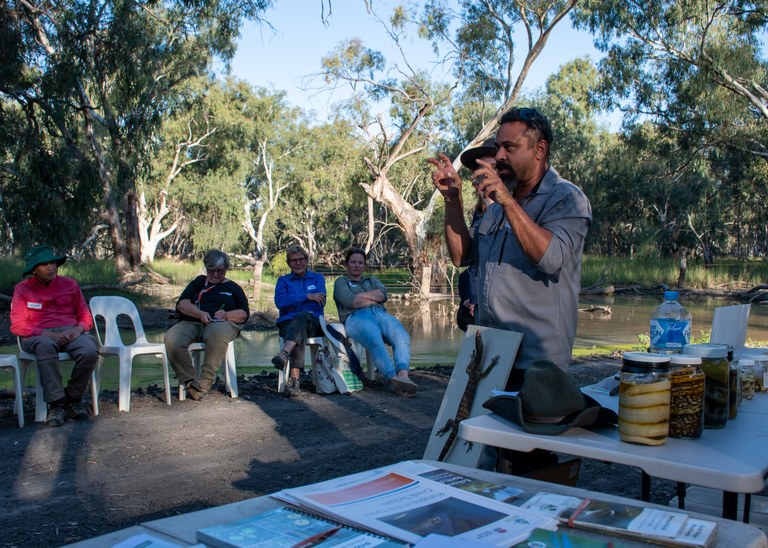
[(36, 307)]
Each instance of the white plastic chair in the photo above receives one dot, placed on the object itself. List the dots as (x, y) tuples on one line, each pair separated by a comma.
[(314, 344), (340, 348), (10, 361), (111, 343), (230, 367), (27, 360)]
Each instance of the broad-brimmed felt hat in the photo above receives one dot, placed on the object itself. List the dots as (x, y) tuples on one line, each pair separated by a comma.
[(41, 254), (469, 157), (550, 403)]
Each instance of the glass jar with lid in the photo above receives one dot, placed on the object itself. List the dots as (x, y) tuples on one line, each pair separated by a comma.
[(714, 364), (686, 405), (761, 371), (747, 368), (644, 394)]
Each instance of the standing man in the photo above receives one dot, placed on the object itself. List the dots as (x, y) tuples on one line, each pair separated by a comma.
[(50, 315), (528, 245), (300, 298)]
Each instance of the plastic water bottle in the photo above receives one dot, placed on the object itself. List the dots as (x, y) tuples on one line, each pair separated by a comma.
[(670, 326)]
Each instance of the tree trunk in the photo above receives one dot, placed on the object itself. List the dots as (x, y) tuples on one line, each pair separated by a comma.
[(132, 239), (681, 274), (258, 268), (112, 217)]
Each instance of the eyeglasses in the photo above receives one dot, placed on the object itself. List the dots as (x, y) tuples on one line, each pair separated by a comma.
[(216, 271), (297, 260), (533, 118)]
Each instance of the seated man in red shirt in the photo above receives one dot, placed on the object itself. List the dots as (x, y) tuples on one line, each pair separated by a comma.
[(50, 315)]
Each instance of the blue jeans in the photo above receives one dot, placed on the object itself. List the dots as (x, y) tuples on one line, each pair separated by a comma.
[(373, 327)]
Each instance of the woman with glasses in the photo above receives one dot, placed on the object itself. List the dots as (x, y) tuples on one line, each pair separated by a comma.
[(360, 300), (300, 298), (212, 309)]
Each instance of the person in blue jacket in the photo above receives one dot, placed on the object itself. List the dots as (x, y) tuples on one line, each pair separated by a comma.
[(300, 299)]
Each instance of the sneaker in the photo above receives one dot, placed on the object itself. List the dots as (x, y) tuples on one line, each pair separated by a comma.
[(405, 388), (280, 360), (77, 411), (292, 387), (56, 416)]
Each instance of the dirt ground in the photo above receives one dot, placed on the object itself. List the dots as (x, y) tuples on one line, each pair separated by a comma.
[(61, 485)]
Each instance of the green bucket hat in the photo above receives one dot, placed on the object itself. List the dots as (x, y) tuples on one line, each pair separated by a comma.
[(41, 254), (550, 403)]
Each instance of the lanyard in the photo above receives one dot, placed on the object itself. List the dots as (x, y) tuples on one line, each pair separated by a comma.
[(203, 292)]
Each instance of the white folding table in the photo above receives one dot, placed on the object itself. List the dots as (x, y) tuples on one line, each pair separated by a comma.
[(182, 529), (733, 459)]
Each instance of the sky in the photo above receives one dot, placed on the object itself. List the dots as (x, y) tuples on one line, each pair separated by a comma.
[(287, 55)]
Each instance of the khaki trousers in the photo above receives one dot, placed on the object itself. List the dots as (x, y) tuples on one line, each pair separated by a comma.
[(215, 335)]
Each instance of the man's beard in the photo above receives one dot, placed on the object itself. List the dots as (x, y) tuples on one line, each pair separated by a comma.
[(509, 178)]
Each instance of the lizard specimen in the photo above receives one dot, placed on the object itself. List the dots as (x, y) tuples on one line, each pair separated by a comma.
[(474, 373)]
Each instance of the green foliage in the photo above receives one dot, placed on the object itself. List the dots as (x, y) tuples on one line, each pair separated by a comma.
[(94, 81), (654, 67), (644, 343), (279, 265)]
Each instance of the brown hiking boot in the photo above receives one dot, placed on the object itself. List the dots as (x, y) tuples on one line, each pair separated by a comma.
[(77, 411), (56, 416), (292, 387), (280, 360), (195, 390)]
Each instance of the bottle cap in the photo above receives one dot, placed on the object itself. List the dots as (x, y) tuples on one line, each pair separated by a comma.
[(670, 295), (706, 350)]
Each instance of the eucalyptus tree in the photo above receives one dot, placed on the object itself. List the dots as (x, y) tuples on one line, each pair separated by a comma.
[(664, 57), (183, 140), (321, 209), (479, 43), (96, 77), (394, 136)]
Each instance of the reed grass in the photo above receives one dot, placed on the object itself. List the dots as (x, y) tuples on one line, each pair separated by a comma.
[(649, 272)]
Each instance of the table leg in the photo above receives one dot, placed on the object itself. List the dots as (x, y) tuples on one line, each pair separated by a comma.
[(730, 505), (681, 495), (747, 506), (645, 493)]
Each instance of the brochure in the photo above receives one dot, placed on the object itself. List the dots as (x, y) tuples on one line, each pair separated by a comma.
[(392, 502), (289, 528), (650, 524), (503, 493)]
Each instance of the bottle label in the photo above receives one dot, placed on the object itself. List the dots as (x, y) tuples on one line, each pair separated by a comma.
[(670, 334)]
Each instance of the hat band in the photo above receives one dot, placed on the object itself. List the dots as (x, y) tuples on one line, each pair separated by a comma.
[(550, 420)]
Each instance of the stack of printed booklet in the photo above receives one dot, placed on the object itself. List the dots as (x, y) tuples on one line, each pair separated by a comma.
[(413, 503)]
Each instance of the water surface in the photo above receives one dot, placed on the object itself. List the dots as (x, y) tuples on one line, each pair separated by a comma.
[(436, 340)]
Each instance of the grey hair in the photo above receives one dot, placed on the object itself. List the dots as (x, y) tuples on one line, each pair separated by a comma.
[(293, 250), (214, 258)]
